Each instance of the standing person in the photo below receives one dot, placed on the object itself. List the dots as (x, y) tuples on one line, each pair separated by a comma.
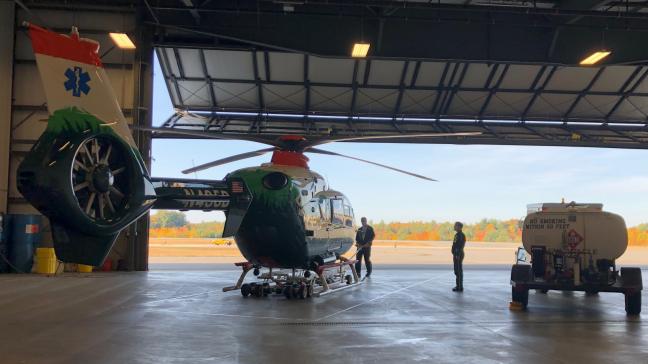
[(364, 238), (458, 255)]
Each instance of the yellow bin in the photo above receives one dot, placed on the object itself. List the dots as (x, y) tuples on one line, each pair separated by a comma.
[(45, 261), (82, 268)]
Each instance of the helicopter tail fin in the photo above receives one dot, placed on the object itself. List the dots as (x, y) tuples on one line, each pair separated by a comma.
[(74, 78), (85, 172)]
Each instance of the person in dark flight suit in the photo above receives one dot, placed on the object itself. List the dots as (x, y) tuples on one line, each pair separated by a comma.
[(458, 255), (364, 238)]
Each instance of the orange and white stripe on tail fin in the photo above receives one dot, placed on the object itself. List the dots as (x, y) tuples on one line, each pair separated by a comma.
[(73, 76)]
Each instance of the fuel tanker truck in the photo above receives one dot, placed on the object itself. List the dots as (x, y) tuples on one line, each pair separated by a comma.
[(573, 247)]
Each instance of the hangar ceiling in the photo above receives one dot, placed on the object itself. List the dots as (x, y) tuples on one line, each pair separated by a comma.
[(507, 69), (547, 31)]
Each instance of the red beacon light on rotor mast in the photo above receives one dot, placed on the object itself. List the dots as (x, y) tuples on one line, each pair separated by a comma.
[(290, 156)]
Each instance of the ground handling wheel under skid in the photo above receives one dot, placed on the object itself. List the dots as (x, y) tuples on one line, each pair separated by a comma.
[(255, 289), (297, 283)]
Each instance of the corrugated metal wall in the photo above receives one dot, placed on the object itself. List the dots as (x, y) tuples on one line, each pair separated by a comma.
[(24, 119)]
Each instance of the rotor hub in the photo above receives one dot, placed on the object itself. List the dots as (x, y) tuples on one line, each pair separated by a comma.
[(289, 158), (102, 178)]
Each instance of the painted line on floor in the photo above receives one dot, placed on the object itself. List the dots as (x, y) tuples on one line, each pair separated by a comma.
[(229, 315), (179, 298), (380, 297)]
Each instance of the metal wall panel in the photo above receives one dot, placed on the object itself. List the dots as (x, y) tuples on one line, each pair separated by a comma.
[(6, 71)]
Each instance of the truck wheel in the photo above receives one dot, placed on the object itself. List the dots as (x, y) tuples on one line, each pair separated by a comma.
[(543, 291), (633, 303), (521, 296), (521, 273), (631, 277)]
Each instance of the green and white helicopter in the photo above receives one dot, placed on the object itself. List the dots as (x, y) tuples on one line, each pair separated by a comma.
[(87, 176)]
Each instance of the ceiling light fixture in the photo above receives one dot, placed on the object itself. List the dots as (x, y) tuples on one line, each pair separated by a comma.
[(122, 40), (360, 50), (594, 58)]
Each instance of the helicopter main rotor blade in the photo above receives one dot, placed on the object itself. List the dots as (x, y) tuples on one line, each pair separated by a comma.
[(322, 151), (231, 159), (203, 134), (395, 136)]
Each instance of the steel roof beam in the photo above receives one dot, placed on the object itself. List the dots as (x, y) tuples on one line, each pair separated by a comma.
[(455, 88), (493, 90), (165, 60), (583, 93), (307, 99), (439, 87), (399, 99), (354, 95), (422, 88), (257, 80), (212, 94), (538, 91), (627, 92)]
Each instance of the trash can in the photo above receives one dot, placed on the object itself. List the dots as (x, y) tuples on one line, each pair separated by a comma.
[(25, 235), (46, 261)]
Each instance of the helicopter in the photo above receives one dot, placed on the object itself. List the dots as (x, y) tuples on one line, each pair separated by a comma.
[(87, 176)]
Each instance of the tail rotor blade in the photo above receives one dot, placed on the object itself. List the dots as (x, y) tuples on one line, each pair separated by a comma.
[(231, 159), (322, 151)]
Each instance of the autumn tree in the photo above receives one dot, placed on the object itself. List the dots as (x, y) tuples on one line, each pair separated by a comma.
[(168, 219)]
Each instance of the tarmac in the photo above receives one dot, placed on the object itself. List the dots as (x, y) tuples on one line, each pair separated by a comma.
[(401, 314)]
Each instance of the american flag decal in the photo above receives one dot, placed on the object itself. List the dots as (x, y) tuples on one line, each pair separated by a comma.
[(237, 187)]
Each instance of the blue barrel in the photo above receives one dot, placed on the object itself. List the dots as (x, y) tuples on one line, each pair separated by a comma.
[(4, 243), (25, 235)]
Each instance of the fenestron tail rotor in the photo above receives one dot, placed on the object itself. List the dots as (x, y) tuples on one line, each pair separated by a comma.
[(99, 179)]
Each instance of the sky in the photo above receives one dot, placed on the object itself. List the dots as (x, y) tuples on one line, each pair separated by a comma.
[(475, 182)]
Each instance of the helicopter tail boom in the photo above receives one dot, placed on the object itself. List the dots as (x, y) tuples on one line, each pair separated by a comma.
[(231, 196)]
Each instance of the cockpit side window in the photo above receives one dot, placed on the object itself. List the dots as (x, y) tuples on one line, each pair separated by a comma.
[(325, 209), (338, 211), (348, 214)]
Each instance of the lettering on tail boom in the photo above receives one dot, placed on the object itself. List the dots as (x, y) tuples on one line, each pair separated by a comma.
[(186, 194)]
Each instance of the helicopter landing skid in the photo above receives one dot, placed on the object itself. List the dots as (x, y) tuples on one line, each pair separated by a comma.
[(298, 283)]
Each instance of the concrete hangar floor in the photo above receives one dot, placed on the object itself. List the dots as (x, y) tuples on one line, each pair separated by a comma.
[(402, 314)]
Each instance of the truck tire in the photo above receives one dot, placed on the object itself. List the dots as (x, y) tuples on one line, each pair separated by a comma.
[(633, 303), (520, 296), (632, 278), (521, 273)]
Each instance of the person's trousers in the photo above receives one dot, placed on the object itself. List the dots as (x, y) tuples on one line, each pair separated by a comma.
[(457, 260), (366, 253)]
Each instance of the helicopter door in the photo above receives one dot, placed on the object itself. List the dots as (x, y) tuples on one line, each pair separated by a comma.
[(324, 221), (339, 226), (317, 218)]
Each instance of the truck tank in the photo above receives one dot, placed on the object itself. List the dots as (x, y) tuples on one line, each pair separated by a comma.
[(575, 227)]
